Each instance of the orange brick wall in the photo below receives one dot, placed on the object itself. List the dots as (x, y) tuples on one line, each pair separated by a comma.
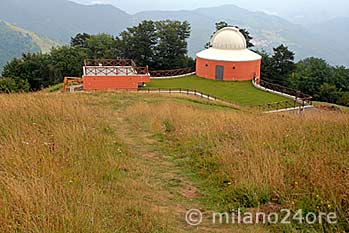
[(93, 83), (233, 71)]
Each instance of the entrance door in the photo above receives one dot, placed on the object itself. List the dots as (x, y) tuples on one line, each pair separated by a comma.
[(219, 72)]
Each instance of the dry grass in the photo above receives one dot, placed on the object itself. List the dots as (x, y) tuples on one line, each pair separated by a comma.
[(63, 169), (298, 161)]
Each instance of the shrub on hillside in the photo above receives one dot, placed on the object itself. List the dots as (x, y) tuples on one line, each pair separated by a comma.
[(12, 85), (344, 99)]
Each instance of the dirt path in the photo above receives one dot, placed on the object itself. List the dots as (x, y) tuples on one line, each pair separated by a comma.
[(168, 191)]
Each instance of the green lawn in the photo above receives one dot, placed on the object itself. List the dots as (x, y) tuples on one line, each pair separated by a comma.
[(243, 93)]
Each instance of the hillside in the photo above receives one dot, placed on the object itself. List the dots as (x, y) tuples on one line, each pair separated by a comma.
[(15, 40), (121, 162), (62, 19)]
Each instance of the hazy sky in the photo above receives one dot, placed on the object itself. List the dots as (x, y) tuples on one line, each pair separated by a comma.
[(280, 7)]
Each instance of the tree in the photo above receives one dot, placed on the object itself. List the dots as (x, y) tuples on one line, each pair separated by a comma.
[(311, 73), (267, 67), (220, 25), (328, 93), (80, 40), (340, 78), (139, 43), (171, 51), (66, 61), (161, 45), (102, 46), (31, 67), (43, 70), (283, 65), (13, 85), (343, 98)]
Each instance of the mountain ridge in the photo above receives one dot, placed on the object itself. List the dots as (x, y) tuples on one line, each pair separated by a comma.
[(268, 30), (15, 41)]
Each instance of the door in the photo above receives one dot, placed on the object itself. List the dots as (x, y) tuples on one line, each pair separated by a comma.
[(219, 72)]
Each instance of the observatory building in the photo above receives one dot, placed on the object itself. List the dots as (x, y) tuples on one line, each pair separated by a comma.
[(228, 58)]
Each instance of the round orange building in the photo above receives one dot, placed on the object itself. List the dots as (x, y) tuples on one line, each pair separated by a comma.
[(228, 58)]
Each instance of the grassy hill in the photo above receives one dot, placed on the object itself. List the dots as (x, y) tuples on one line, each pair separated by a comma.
[(114, 162), (15, 40), (242, 93)]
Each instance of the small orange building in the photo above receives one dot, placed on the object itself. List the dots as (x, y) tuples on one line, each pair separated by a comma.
[(108, 74), (228, 58)]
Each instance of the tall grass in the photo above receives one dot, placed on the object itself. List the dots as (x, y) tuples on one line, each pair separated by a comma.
[(63, 168), (295, 161)]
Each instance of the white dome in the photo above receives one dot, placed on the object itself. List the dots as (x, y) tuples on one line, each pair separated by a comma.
[(228, 38)]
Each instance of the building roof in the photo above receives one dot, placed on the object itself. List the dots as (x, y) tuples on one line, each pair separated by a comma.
[(228, 38), (228, 44)]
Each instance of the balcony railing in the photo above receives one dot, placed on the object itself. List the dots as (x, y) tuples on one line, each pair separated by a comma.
[(110, 62), (113, 67)]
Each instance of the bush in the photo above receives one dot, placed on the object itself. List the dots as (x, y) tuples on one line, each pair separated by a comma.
[(344, 99), (12, 85)]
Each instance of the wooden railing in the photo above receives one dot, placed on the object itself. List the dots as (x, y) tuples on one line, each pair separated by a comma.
[(285, 105), (186, 92), (285, 90), (117, 71), (110, 62), (110, 67), (276, 106), (169, 73), (300, 100)]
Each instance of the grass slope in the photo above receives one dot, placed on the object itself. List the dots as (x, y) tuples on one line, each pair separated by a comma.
[(119, 162), (242, 93)]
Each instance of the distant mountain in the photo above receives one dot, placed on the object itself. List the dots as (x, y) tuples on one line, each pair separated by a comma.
[(268, 31), (333, 31), (61, 19), (14, 41)]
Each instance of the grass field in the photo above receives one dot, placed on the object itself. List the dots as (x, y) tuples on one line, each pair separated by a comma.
[(118, 162), (340, 107), (242, 93)]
